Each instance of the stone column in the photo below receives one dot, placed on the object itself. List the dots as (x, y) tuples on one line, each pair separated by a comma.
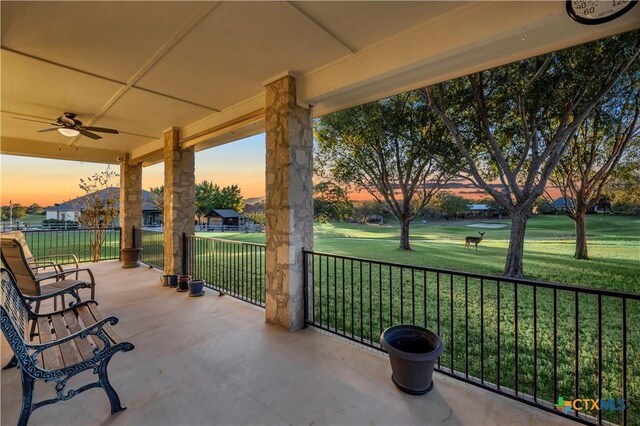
[(179, 199), (130, 199), (289, 203)]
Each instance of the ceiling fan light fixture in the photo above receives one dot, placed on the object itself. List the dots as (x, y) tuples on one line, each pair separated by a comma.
[(68, 132)]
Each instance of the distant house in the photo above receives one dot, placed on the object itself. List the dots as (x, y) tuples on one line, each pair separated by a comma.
[(478, 210), (70, 210), (226, 217), (252, 208), (560, 204)]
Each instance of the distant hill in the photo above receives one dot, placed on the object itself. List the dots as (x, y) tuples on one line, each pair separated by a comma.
[(254, 200)]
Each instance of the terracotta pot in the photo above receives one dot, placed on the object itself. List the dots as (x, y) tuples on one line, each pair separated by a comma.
[(130, 257)]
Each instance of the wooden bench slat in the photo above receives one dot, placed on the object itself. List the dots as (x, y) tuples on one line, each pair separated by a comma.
[(70, 353), (88, 320), (84, 345), (50, 358), (115, 338)]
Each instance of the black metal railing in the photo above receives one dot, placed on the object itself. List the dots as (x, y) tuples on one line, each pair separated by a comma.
[(231, 267), (152, 243), (533, 341), (73, 241)]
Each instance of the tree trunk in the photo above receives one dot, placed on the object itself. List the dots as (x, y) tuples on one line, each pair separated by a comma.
[(404, 235), (513, 266), (581, 236)]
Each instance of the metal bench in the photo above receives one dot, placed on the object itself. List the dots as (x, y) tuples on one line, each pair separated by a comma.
[(68, 342)]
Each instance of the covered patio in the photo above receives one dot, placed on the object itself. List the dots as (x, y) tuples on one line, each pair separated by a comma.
[(213, 360), (176, 78)]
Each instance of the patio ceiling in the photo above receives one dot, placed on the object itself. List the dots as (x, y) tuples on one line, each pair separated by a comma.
[(142, 67)]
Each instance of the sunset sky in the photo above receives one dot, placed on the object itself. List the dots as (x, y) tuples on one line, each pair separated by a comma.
[(26, 180)]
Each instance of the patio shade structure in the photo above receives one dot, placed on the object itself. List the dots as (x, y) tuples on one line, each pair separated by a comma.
[(179, 77)]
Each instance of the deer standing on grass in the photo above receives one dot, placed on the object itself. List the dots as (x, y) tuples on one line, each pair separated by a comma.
[(473, 240)]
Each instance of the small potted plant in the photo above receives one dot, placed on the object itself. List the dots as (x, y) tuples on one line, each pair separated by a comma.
[(130, 257), (196, 288), (183, 283), (413, 352), (172, 280)]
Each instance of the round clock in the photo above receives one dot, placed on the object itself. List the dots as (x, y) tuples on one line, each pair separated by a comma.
[(593, 12)]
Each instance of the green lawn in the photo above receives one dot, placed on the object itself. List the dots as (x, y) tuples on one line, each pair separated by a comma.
[(614, 248)]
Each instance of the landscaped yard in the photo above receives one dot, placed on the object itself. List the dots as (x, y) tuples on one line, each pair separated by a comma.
[(614, 248)]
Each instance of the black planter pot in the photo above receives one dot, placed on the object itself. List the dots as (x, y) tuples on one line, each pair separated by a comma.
[(130, 257), (183, 283), (413, 352)]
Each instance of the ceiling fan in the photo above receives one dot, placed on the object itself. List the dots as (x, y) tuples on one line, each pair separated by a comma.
[(68, 125)]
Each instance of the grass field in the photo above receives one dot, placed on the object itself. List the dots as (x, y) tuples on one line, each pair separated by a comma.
[(614, 248)]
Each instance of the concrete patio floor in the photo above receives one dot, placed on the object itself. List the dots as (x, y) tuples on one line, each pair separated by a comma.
[(213, 360)]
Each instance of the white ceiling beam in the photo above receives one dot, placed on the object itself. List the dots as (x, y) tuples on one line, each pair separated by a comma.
[(236, 122), (27, 148), (468, 39)]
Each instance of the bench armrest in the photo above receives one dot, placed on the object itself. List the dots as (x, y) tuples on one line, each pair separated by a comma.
[(94, 329), (67, 272), (71, 290)]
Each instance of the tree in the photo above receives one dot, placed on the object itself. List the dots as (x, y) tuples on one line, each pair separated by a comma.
[(231, 198), (623, 191), (364, 210), (99, 208), (210, 196), (157, 197), (13, 211), (606, 136), (393, 149), (35, 209), (450, 204), (330, 202), (512, 124), (206, 196)]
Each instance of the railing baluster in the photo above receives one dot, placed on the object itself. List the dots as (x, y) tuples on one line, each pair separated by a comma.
[(577, 347), (451, 367), (370, 306), (599, 356), (498, 333), (466, 327), (624, 361), (535, 344), (555, 345), (481, 330), (515, 335), (438, 309)]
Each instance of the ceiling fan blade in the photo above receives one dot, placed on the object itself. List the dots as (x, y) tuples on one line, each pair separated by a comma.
[(83, 132), (35, 121), (48, 130), (101, 129)]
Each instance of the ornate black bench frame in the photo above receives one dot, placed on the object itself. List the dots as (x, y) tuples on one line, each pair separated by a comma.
[(16, 311)]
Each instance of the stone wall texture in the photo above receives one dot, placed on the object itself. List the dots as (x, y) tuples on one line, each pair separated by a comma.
[(130, 199), (179, 199), (289, 202)]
